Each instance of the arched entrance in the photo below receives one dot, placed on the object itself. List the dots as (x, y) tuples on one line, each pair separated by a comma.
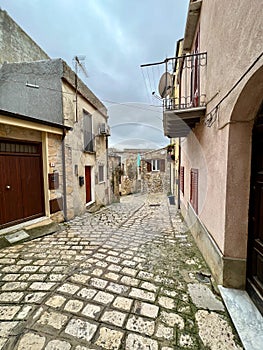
[(254, 282)]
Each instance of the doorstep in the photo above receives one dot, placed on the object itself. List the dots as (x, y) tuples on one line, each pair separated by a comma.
[(27, 231), (245, 316)]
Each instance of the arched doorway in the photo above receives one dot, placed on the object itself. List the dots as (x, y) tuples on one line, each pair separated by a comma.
[(254, 282)]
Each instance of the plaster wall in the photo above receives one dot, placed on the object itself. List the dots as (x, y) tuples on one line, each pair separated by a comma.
[(33, 89), (15, 44), (224, 147), (77, 158)]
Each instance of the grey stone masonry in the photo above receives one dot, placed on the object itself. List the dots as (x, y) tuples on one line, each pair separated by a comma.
[(126, 277)]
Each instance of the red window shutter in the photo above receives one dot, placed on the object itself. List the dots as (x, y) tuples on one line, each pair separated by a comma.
[(182, 179), (194, 189), (162, 165)]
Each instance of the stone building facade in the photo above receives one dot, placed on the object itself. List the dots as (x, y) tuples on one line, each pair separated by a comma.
[(219, 119), (156, 172), (53, 131), (15, 44)]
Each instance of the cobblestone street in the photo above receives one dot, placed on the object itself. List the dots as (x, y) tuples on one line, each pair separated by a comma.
[(127, 277)]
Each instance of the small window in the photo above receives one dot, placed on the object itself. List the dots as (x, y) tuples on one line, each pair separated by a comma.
[(155, 164), (194, 189), (101, 173), (182, 179)]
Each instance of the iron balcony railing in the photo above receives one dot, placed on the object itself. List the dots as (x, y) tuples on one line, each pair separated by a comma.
[(184, 83)]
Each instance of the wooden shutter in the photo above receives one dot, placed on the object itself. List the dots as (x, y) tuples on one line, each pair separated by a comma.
[(194, 189), (162, 165), (182, 179), (149, 166)]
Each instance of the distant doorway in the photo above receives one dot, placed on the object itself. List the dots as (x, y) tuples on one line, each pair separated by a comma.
[(88, 183), (254, 283)]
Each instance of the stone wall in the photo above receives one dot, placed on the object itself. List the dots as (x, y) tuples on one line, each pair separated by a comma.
[(155, 181), (15, 44)]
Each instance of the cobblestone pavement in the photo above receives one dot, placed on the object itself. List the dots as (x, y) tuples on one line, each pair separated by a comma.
[(128, 277)]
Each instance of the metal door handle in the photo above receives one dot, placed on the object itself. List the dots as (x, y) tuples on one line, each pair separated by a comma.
[(8, 187)]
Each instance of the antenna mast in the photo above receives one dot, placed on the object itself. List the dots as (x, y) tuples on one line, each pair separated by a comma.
[(79, 62)]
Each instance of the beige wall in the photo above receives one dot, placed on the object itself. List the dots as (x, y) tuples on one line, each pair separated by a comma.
[(231, 33), (75, 155)]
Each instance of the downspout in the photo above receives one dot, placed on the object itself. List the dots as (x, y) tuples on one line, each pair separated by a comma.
[(179, 173), (65, 209)]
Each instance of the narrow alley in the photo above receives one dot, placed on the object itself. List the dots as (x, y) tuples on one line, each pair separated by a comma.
[(127, 277)]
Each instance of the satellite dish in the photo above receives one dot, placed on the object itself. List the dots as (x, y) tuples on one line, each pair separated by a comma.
[(165, 85)]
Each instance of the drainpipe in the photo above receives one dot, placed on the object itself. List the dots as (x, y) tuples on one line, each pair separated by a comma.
[(179, 170), (65, 209)]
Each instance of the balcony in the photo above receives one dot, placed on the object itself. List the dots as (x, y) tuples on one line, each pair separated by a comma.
[(184, 98)]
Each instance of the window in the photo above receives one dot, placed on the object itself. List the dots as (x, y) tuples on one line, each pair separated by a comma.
[(194, 189), (155, 165), (101, 173), (182, 179), (87, 132)]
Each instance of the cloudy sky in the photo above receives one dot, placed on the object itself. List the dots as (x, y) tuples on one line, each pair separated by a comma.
[(116, 37)]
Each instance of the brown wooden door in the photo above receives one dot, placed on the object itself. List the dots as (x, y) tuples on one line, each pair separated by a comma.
[(255, 238), (21, 183), (88, 183)]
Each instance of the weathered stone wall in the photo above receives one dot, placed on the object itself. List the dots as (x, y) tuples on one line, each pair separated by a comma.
[(155, 181), (15, 44), (114, 176)]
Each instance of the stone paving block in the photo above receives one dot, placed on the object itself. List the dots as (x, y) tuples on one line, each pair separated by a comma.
[(142, 294), (123, 303), (87, 293), (23, 314), (79, 278), (203, 297), (53, 319), (73, 306), (8, 312), (172, 319), (14, 286), (11, 297), (29, 268), (7, 327), (145, 275), (31, 341), (35, 297), (149, 286), (92, 310), (113, 259), (69, 288), (109, 339), (101, 264), (10, 277), (166, 302), (214, 330), (140, 325), (56, 277), (117, 288), (113, 317), (137, 342), (11, 268), (81, 329), (112, 276), (37, 277), (130, 281), (42, 285), (114, 267), (98, 283), (97, 272), (2, 342), (145, 309), (103, 297), (58, 345), (164, 332), (129, 271)]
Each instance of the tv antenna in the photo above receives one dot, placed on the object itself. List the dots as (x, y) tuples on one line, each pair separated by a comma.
[(79, 63)]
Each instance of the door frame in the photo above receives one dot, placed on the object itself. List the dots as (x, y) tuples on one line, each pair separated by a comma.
[(251, 286), (39, 155)]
